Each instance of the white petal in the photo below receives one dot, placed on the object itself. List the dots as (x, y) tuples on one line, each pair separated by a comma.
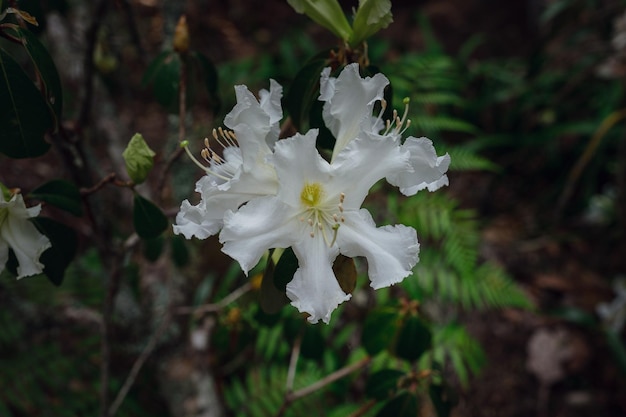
[(261, 224), (391, 251), (194, 221), (26, 242), (314, 288), (270, 102), (348, 110), (428, 170), (297, 161), (363, 162)]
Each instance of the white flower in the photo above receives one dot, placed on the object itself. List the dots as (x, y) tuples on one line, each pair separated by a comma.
[(241, 173), (348, 105), (17, 233), (316, 211)]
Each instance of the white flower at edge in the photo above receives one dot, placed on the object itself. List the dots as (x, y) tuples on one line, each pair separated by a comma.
[(19, 234), (316, 211), (241, 173), (349, 102)]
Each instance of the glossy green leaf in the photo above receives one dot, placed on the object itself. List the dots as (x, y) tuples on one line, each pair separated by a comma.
[(208, 71), (64, 243), (414, 338), (345, 271), (304, 91), (152, 248), (379, 330), (313, 344), (442, 399), (139, 158), (148, 219), (285, 269), (404, 405), (371, 16), (180, 253), (46, 69), (383, 384), (272, 298), (24, 114), (163, 74), (327, 13), (62, 194)]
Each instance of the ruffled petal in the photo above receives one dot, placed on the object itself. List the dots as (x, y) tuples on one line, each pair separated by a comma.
[(391, 251), (194, 221), (427, 169), (217, 196), (27, 243), (263, 223), (363, 162), (297, 161), (314, 288), (349, 102)]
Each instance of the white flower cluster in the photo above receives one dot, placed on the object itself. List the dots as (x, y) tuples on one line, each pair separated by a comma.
[(19, 234), (267, 193)]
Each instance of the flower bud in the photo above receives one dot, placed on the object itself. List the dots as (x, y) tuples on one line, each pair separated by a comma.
[(139, 159), (181, 36)]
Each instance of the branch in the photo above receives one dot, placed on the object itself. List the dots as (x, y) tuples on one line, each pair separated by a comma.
[(132, 375), (212, 308), (88, 64), (293, 396)]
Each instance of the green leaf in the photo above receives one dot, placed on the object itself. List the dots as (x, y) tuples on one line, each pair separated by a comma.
[(345, 271), (62, 194), (285, 269), (313, 343), (327, 13), (379, 330), (64, 242), (414, 339), (304, 91), (24, 114), (152, 248), (164, 75), (404, 405), (208, 71), (383, 384), (272, 298), (46, 69), (139, 158), (148, 219), (442, 399), (180, 254), (371, 16)]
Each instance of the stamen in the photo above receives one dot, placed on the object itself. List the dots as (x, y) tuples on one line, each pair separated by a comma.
[(185, 145)]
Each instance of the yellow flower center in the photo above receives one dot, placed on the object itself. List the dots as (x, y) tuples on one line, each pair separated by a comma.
[(322, 217), (312, 194)]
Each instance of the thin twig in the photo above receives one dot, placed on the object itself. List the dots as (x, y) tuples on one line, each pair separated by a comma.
[(105, 346), (290, 397), (132, 375), (584, 159), (293, 363), (88, 64), (212, 308), (104, 181), (182, 117)]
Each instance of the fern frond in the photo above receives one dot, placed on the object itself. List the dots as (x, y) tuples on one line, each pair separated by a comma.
[(453, 346), (261, 393)]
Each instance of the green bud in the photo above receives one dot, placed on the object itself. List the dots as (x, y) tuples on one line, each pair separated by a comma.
[(371, 16), (6, 193), (327, 13), (139, 159)]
